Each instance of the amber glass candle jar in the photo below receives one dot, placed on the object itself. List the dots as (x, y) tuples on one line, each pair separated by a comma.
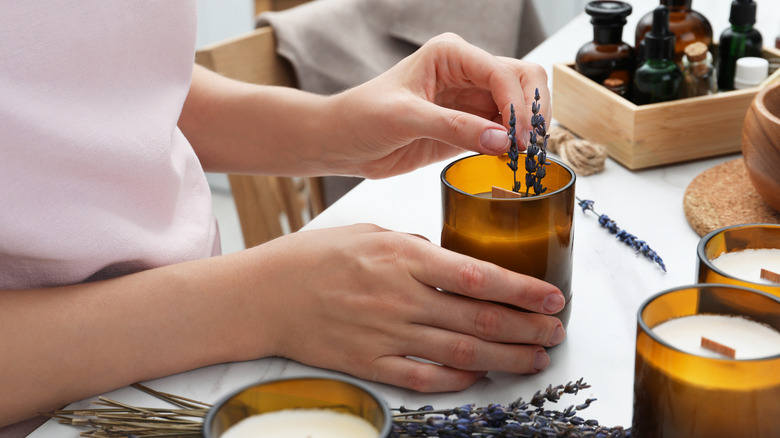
[(337, 394), (680, 393), (531, 235), (733, 241)]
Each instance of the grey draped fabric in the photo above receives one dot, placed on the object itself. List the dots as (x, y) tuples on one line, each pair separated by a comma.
[(337, 44)]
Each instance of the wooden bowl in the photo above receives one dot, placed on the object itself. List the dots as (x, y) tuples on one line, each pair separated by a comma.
[(761, 144)]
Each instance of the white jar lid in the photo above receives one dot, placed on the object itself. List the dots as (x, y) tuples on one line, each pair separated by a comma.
[(751, 71)]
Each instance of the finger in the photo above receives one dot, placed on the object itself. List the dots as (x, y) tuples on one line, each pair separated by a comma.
[(491, 322), (461, 65), (474, 278), (465, 352), (460, 129), (532, 77), (471, 100), (421, 376)]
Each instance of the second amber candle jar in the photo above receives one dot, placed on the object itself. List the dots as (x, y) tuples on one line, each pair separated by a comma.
[(531, 235), (734, 239)]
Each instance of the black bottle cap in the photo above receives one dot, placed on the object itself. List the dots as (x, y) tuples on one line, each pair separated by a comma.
[(676, 3), (659, 42), (743, 12), (608, 12)]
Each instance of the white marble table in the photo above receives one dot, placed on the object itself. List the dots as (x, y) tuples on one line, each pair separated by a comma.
[(610, 281)]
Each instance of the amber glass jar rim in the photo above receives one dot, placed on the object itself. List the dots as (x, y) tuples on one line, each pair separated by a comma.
[(647, 329), (523, 199), (386, 425), (701, 250)]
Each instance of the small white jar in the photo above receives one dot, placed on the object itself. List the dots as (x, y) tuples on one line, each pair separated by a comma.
[(751, 71)]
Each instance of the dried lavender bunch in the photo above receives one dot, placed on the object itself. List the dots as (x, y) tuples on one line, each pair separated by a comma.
[(518, 419), (514, 154), (624, 236), (536, 156)]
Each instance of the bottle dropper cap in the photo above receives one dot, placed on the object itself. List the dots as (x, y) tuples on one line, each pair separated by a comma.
[(659, 42), (743, 12)]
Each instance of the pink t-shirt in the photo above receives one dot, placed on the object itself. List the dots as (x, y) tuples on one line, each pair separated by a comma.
[(96, 179)]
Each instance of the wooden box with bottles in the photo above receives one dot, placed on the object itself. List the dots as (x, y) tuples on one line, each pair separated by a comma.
[(642, 136)]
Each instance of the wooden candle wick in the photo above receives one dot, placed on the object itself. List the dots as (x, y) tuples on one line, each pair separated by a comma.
[(766, 274), (719, 348), (498, 192)]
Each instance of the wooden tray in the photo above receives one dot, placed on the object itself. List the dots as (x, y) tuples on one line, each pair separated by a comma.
[(651, 135)]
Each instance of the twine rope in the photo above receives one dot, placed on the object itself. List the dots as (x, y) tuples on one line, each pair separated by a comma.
[(583, 156)]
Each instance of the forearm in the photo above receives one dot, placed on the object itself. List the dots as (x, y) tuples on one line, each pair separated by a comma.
[(67, 343), (245, 128)]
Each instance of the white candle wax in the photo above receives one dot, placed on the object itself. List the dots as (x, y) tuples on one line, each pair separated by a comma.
[(750, 339), (747, 264), (302, 423)]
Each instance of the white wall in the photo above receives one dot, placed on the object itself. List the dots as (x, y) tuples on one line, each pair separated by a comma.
[(221, 19), (556, 13)]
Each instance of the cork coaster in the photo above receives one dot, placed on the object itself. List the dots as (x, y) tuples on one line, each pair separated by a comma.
[(723, 196)]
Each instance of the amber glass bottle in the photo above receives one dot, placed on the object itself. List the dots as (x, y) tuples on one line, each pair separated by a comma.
[(687, 25), (607, 56)]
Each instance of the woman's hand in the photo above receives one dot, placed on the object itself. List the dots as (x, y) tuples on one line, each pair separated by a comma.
[(362, 300), (356, 299), (446, 98)]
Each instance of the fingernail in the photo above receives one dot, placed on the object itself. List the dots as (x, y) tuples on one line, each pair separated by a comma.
[(558, 335), (541, 360), (494, 140), (554, 303)]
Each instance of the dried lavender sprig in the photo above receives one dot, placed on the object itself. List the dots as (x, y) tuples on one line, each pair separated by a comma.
[(536, 156), (518, 419), (514, 154), (624, 236)]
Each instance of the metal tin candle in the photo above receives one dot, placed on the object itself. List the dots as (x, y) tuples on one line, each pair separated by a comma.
[(531, 235), (687, 384), (738, 254)]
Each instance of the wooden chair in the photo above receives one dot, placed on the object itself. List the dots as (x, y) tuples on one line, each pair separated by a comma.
[(268, 207)]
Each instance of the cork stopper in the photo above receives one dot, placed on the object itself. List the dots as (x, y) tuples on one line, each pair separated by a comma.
[(696, 52)]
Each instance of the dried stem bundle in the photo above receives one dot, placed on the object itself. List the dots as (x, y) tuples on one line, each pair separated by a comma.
[(117, 419)]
